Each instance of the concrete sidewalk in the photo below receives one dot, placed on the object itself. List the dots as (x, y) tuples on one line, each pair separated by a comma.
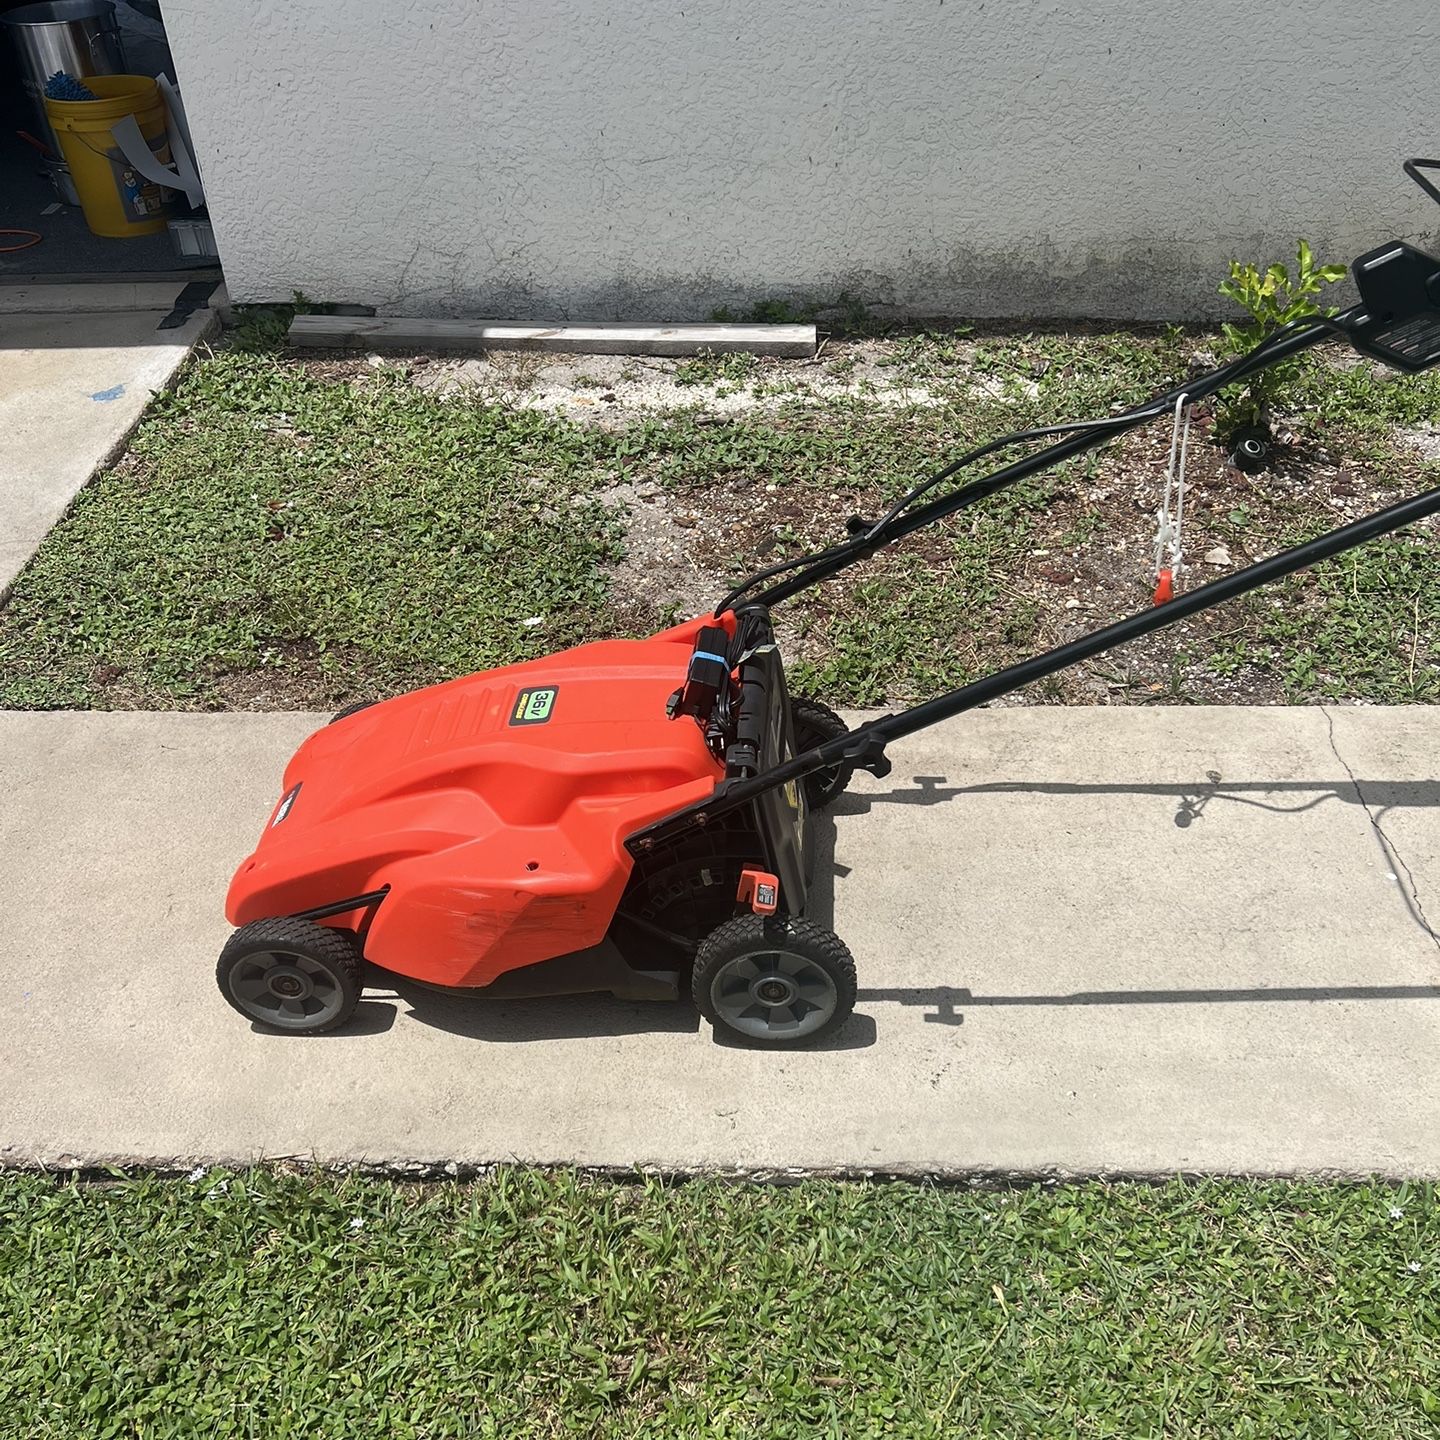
[(1089, 941), (73, 384)]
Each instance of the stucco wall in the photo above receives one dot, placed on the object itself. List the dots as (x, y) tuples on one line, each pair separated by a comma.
[(658, 158)]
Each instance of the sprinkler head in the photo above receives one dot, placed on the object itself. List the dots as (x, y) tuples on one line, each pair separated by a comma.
[(1250, 449)]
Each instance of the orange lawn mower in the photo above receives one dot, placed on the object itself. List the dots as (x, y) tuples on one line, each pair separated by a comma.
[(630, 816)]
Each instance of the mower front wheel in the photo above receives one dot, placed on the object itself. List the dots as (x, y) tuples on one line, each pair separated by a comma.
[(774, 980), (291, 975)]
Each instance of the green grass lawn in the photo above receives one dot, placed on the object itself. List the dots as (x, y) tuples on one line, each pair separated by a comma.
[(527, 1304), (292, 533), (268, 522)]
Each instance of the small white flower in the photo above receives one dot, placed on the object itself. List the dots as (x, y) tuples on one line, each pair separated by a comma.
[(1413, 1267), (198, 1173), (534, 620), (357, 1223), (1396, 1213)]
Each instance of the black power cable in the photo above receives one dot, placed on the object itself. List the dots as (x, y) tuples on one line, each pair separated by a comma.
[(1236, 370)]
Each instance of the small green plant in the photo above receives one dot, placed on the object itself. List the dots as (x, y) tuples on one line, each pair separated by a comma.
[(708, 368), (929, 354), (263, 328), (845, 314), (766, 312), (1272, 298), (853, 316)]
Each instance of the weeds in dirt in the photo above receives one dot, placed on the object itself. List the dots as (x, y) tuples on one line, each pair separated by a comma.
[(845, 314), (262, 329), (733, 369), (773, 311), (1363, 623), (302, 531)]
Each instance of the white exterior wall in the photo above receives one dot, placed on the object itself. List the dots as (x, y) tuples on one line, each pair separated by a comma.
[(655, 159)]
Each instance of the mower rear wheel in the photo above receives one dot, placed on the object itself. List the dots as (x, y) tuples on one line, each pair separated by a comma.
[(350, 710), (774, 980), (292, 975), (814, 724)]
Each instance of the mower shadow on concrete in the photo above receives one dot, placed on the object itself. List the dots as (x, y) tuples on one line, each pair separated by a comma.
[(549, 1017), (859, 1032), (1377, 797), (949, 1001), (371, 1017), (571, 1017)]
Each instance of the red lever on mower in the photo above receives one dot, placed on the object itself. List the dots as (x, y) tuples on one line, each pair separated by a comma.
[(760, 890)]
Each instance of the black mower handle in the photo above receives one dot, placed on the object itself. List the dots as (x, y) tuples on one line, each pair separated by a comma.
[(819, 567), (1413, 169), (865, 748), (1398, 322)]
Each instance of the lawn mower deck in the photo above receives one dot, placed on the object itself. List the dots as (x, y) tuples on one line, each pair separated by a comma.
[(631, 815), (473, 835)]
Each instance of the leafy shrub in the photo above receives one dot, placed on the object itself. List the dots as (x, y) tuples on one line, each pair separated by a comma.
[(1272, 299)]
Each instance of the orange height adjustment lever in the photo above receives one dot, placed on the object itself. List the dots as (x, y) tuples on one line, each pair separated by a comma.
[(760, 890)]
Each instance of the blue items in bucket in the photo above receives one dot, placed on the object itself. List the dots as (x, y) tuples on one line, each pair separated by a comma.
[(61, 86)]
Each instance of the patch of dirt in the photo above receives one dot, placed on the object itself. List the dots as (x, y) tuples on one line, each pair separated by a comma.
[(609, 390), (660, 574), (300, 682), (1091, 562), (1424, 440), (673, 569), (1090, 556), (358, 367), (304, 687)]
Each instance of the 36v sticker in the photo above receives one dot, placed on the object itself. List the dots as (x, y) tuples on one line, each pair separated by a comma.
[(533, 707)]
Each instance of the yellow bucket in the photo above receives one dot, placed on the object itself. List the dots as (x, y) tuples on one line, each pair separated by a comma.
[(117, 199)]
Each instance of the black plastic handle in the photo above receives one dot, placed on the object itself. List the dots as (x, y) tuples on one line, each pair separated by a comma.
[(1413, 169)]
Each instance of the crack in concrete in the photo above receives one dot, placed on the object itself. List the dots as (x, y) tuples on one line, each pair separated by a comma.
[(1402, 871)]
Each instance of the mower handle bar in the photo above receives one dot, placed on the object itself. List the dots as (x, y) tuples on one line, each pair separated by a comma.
[(1414, 167), (1281, 346), (867, 538), (865, 748)]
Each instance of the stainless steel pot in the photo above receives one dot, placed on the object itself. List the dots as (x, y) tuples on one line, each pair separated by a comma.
[(80, 37)]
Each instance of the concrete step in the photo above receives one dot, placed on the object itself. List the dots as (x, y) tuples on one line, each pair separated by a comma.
[(60, 298)]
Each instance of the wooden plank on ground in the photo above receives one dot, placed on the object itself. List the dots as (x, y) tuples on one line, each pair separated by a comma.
[(396, 333)]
